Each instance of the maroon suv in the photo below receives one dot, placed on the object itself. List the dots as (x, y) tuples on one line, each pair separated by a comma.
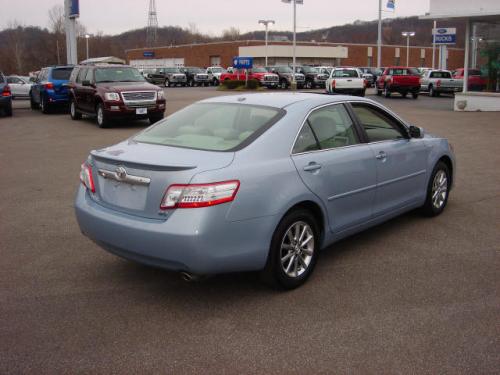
[(110, 92)]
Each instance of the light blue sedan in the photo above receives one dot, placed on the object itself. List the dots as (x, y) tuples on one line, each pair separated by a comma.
[(259, 182)]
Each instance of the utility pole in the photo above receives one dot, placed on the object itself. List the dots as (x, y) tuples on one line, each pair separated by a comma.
[(434, 45), (71, 13), (379, 37), (87, 37), (408, 34), (266, 24)]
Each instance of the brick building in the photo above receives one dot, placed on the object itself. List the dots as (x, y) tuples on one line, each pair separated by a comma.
[(222, 53)]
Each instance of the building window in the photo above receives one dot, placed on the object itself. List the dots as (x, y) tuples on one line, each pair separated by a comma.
[(397, 61), (370, 60), (422, 61)]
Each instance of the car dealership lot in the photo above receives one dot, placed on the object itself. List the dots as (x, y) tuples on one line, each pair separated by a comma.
[(414, 295)]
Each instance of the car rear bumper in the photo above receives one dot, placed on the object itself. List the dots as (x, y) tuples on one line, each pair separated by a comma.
[(348, 91), (200, 241)]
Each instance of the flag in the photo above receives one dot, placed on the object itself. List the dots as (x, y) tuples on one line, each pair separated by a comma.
[(390, 6)]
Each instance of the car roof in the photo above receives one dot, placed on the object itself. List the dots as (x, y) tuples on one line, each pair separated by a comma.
[(282, 100)]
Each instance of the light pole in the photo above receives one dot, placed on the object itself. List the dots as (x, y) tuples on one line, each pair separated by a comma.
[(379, 35), (87, 37), (408, 34), (295, 2), (266, 24)]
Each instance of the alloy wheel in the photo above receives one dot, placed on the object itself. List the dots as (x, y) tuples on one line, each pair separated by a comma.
[(297, 249), (439, 189)]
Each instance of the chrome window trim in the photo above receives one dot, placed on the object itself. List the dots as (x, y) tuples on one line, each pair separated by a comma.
[(375, 104)]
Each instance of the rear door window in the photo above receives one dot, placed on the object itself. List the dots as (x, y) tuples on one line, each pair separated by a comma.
[(61, 74)]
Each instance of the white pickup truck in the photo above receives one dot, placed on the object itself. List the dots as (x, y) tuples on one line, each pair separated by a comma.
[(436, 82), (346, 81)]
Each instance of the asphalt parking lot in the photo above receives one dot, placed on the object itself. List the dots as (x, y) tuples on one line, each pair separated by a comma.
[(412, 296)]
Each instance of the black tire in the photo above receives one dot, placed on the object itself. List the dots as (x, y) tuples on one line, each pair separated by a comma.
[(362, 93), (191, 83), (215, 82), (432, 92), (430, 208), (34, 106), (404, 94), (155, 118), (387, 93), (274, 272), (8, 110), (101, 118), (414, 95), (44, 105), (75, 115), (167, 83), (379, 92), (283, 84)]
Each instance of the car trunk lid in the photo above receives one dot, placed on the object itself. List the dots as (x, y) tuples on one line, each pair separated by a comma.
[(132, 177)]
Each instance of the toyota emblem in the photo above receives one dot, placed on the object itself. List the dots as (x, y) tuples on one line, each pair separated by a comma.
[(121, 173)]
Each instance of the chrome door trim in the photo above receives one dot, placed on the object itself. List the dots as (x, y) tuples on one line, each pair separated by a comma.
[(121, 175)]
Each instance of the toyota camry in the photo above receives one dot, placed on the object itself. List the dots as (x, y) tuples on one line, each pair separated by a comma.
[(259, 182)]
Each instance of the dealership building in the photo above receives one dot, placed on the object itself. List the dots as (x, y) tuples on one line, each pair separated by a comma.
[(329, 54)]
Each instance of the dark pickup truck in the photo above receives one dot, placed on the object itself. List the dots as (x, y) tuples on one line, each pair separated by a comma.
[(399, 79)]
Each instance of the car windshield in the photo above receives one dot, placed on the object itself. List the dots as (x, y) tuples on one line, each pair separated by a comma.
[(284, 69), (172, 70), (259, 70), (211, 126), (218, 70), (62, 73), (118, 75), (350, 73), (404, 72), (195, 70), (440, 75)]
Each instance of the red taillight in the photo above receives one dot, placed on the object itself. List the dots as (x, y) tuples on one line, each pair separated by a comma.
[(438, 83), (86, 177), (365, 83), (199, 195), (6, 91), (49, 86), (333, 83)]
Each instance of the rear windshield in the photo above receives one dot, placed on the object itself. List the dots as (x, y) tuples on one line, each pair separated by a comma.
[(345, 73), (404, 72), (440, 75), (61, 73), (212, 126), (259, 70), (118, 75)]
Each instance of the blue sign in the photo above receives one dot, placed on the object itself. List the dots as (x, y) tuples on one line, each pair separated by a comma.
[(243, 62), (74, 9), (445, 35), (391, 4), (148, 54)]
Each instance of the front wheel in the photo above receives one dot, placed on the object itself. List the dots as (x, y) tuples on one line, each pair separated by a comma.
[(167, 83), (379, 92), (283, 84), (414, 95), (437, 190), (362, 93), (44, 105), (387, 93), (102, 120), (294, 250), (432, 92)]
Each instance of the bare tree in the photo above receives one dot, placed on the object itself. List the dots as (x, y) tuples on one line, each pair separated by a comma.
[(233, 33), (15, 43), (56, 19)]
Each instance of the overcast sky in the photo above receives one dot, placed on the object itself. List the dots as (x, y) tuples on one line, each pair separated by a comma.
[(212, 16)]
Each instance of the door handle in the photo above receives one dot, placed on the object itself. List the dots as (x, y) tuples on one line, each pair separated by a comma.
[(312, 166), (381, 155)]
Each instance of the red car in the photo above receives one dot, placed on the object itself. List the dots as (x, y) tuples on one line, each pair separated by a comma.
[(399, 79), (475, 82), (265, 78)]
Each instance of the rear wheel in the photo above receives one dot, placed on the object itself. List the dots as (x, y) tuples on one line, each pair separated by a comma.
[(44, 105), (33, 105), (437, 190), (379, 92), (362, 93), (387, 93), (283, 84), (294, 250), (102, 120), (414, 95), (432, 92), (75, 115)]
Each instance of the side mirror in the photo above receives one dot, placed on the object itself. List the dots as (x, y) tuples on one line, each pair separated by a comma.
[(415, 132), (86, 83)]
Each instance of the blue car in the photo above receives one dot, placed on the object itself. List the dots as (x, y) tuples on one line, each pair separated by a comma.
[(50, 89), (259, 182)]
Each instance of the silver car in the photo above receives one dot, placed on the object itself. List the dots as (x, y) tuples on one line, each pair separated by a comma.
[(259, 182)]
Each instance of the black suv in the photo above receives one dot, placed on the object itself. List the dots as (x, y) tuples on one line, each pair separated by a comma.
[(195, 76), (5, 96), (314, 78), (285, 73), (166, 76), (109, 92)]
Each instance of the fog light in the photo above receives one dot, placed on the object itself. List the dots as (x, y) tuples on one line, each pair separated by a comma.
[(115, 108), (161, 106)]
